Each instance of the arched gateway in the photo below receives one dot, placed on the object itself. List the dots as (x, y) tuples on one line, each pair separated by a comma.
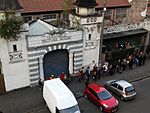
[(55, 62)]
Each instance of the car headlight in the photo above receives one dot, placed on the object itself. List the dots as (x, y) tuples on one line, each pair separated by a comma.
[(105, 105), (117, 101)]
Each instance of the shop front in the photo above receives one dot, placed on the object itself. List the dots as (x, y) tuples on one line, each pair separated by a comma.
[(122, 44)]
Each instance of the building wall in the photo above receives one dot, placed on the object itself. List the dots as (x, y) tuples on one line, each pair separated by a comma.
[(15, 64), (38, 46), (137, 11)]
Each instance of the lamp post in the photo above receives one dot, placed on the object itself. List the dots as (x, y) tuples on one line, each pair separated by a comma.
[(101, 33)]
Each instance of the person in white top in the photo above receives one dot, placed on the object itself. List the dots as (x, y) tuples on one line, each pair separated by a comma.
[(92, 65)]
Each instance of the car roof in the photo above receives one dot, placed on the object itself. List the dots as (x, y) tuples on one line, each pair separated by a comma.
[(123, 83), (96, 87)]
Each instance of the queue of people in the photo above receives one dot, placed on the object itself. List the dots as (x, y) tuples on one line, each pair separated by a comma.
[(109, 69)]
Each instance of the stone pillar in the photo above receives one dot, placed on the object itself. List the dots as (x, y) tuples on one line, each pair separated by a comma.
[(41, 72), (71, 62)]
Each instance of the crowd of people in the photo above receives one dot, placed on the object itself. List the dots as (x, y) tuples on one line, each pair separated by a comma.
[(109, 69)]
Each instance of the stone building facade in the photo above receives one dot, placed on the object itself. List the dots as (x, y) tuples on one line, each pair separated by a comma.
[(44, 50)]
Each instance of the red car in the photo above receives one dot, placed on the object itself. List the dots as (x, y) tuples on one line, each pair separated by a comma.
[(101, 97)]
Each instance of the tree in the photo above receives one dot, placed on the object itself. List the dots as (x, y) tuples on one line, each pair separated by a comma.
[(10, 25), (68, 6)]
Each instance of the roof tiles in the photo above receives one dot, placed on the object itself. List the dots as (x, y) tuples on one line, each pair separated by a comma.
[(56, 5)]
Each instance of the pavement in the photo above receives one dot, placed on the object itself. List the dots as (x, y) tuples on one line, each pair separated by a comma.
[(30, 99)]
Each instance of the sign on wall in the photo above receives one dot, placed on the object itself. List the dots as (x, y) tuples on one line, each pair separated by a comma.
[(48, 39)]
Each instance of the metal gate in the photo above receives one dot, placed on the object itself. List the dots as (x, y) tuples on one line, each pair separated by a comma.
[(55, 62)]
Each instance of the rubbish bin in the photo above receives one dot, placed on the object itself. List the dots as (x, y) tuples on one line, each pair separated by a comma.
[(2, 84)]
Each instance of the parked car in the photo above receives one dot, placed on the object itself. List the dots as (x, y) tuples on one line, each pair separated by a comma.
[(59, 98), (101, 97), (122, 88)]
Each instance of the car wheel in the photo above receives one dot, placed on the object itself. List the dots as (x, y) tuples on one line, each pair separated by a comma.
[(101, 108), (85, 95), (122, 98), (46, 105)]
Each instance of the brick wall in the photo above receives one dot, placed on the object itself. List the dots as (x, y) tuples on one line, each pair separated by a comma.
[(136, 10)]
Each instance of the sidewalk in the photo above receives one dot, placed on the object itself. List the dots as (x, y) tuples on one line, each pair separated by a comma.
[(26, 99), (130, 75)]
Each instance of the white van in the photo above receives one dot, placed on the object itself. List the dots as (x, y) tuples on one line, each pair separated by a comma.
[(59, 98)]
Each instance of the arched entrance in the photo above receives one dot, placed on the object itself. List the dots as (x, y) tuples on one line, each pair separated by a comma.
[(55, 62)]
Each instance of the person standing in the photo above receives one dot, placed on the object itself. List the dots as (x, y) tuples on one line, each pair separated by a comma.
[(81, 74), (88, 72), (68, 76), (91, 67), (95, 73), (111, 70), (40, 83), (99, 72), (87, 75), (86, 80), (62, 76)]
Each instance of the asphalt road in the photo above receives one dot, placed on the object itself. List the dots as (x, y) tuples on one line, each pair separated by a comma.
[(29, 100), (138, 105)]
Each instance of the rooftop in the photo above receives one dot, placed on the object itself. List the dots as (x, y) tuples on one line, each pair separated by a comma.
[(31, 6)]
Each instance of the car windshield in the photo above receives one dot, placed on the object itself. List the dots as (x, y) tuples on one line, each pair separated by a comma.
[(129, 89), (104, 95), (74, 109)]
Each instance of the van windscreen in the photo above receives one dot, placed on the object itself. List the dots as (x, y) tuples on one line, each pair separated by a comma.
[(74, 109)]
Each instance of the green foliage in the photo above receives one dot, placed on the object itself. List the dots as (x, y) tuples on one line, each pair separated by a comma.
[(68, 6), (10, 26)]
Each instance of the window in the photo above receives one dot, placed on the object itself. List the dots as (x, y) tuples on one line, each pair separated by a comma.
[(14, 47), (129, 89), (50, 16), (120, 88), (121, 12), (27, 18), (108, 14), (104, 95), (93, 92), (114, 85), (89, 37)]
